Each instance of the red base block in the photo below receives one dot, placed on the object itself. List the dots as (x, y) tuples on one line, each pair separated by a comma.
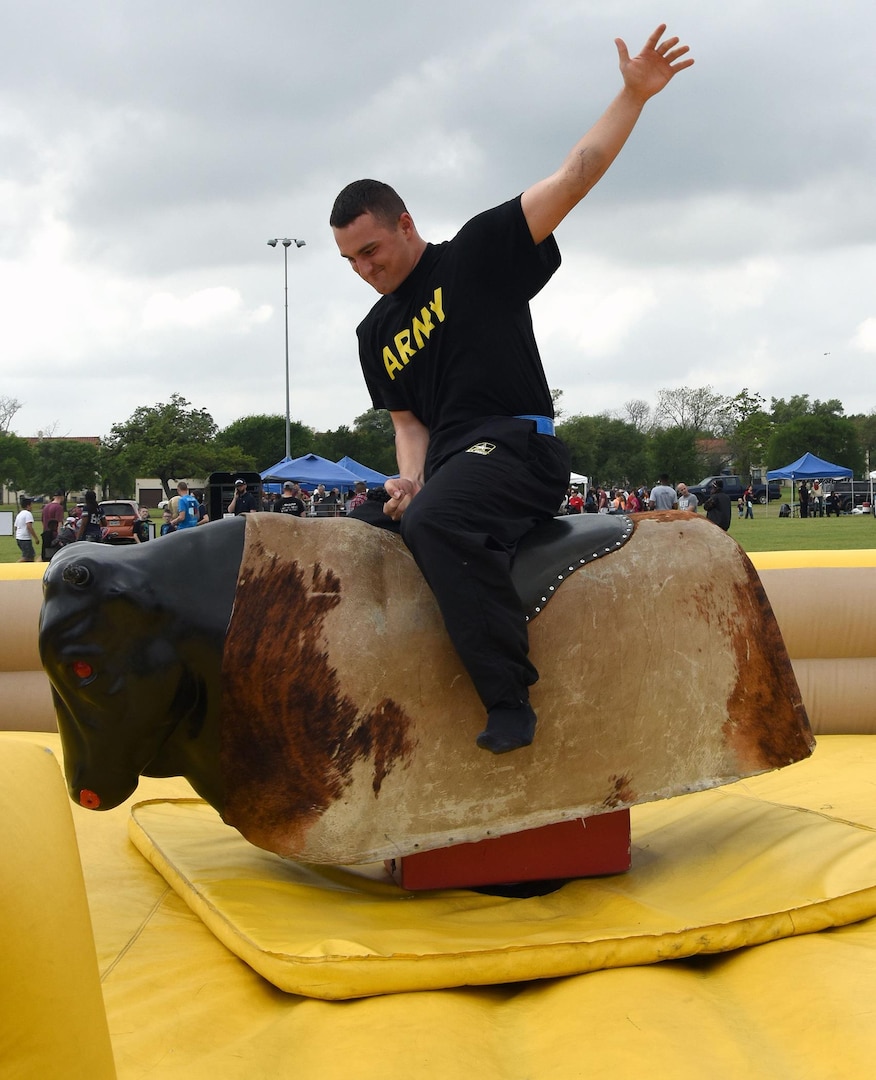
[(585, 847)]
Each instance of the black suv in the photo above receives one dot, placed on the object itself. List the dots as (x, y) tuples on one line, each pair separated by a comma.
[(735, 488)]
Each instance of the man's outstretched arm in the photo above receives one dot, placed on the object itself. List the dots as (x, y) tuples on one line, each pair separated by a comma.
[(546, 203)]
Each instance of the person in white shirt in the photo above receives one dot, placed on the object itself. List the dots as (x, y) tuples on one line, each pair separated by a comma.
[(663, 495), (25, 534), (686, 500)]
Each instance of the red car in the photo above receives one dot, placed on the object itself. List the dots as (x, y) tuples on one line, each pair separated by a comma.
[(120, 516)]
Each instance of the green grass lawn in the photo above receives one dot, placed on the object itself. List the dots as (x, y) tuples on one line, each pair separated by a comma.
[(772, 533), (766, 532)]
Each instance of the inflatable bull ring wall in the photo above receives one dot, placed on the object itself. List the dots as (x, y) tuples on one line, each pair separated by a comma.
[(298, 674)]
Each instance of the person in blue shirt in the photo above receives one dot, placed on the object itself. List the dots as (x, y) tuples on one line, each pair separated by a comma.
[(187, 507)]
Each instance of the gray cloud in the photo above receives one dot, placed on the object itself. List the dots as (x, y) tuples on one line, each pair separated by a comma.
[(148, 154)]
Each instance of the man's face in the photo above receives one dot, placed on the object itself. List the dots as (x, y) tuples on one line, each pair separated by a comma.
[(381, 255)]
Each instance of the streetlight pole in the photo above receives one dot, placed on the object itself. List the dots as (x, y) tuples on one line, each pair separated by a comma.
[(287, 243)]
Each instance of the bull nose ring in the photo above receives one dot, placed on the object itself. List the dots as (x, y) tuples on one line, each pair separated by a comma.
[(89, 799)]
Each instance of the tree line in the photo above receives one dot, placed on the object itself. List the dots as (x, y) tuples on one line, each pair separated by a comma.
[(687, 433), (690, 433), (174, 439)]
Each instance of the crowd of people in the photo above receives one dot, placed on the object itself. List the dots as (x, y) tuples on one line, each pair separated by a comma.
[(662, 496), (187, 509), (294, 499), (814, 503), (85, 522)]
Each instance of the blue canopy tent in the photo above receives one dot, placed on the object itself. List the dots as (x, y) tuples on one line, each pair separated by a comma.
[(809, 467), (312, 469), (371, 476)]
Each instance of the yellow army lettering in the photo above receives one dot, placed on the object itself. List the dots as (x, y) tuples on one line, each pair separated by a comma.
[(408, 342)]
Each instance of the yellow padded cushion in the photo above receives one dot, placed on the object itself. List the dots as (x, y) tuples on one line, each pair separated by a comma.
[(25, 692), (712, 872), (182, 1007), (22, 571), (19, 631), (786, 560), (840, 694), (824, 612), (52, 1018)]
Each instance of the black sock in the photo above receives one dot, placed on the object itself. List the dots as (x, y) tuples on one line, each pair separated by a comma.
[(508, 728)]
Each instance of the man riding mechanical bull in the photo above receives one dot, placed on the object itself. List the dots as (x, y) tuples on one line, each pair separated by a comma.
[(164, 658), (449, 350)]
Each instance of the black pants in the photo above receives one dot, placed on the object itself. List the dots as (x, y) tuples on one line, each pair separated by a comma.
[(463, 529)]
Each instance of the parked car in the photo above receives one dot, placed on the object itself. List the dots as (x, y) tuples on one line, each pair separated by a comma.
[(120, 516), (736, 488), (852, 494)]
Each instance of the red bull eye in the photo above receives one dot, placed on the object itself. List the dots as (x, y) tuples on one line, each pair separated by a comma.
[(89, 799), (82, 669)]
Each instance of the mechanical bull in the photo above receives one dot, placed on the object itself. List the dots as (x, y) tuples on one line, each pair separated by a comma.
[(298, 674)]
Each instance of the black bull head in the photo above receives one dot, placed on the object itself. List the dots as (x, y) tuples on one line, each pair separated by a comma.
[(132, 641)]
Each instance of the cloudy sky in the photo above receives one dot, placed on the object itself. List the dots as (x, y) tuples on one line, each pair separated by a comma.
[(148, 151)]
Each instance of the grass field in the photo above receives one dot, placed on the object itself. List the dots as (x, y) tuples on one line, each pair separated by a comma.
[(811, 534), (766, 532)]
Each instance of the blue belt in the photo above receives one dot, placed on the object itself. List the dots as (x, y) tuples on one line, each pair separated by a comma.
[(543, 424)]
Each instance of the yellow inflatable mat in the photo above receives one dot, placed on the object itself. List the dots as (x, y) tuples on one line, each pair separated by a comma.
[(712, 872)]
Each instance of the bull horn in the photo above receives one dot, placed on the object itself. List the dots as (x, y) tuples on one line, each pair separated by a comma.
[(76, 574)]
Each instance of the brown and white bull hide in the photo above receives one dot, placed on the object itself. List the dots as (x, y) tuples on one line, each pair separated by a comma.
[(348, 722)]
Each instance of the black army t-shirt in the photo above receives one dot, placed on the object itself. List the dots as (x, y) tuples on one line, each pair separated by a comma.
[(454, 344)]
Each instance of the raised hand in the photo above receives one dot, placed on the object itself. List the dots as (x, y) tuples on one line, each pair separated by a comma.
[(646, 74)]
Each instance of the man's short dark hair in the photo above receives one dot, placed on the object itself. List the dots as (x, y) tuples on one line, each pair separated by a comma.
[(367, 197)]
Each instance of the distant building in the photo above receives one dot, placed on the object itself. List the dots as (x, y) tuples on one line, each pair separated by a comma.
[(715, 455), (149, 492)]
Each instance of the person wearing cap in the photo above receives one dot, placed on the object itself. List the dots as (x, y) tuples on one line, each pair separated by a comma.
[(51, 519), (717, 505), (243, 501), (25, 534), (289, 502), (449, 350), (67, 532)]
